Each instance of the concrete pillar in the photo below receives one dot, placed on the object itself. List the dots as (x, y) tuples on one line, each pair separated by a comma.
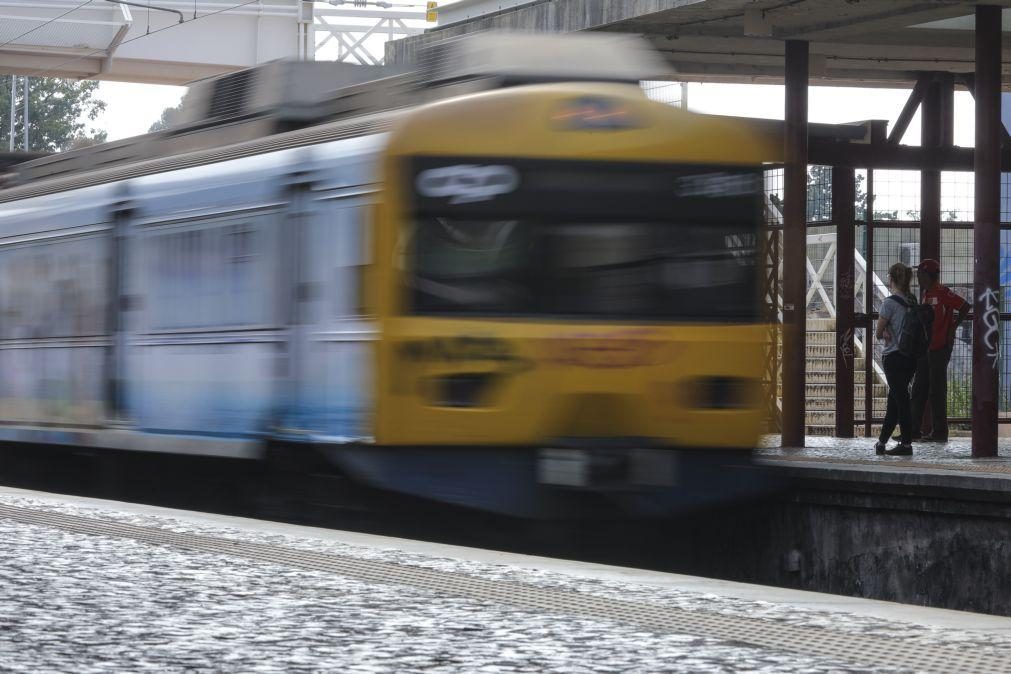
[(986, 301), (795, 246)]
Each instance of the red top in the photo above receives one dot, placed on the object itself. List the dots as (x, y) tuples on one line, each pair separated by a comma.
[(946, 304)]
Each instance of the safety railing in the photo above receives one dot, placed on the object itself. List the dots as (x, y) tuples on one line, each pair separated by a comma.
[(818, 270)]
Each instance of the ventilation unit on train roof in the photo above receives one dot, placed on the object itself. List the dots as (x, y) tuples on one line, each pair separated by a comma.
[(522, 58), (289, 95), (287, 91)]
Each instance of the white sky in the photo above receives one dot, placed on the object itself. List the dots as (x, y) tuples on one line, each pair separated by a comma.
[(133, 108)]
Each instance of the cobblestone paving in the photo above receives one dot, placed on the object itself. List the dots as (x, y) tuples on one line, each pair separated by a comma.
[(72, 602), (955, 454)]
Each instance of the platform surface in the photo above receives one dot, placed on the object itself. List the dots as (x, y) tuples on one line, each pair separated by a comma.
[(98, 586), (932, 464)]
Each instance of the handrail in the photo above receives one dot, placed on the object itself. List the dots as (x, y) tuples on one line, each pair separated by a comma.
[(817, 287)]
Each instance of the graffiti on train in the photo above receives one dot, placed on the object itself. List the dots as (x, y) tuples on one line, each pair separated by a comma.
[(464, 349), (631, 348)]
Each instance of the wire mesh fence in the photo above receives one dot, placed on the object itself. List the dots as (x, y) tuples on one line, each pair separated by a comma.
[(671, 93), (894, 236)]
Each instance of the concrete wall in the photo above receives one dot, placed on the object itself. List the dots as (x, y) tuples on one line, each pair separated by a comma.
[(938, 545)]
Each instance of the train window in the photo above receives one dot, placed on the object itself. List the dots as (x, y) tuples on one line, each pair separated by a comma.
[(642, 270), (209, 276), (350, 260), (54, 289)]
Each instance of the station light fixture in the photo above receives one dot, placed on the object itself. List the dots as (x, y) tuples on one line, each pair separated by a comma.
[(362, 3)]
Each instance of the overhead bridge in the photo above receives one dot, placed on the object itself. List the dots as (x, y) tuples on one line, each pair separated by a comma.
[(180, 41)]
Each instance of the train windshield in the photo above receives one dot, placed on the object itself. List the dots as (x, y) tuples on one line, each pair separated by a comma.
[(624, 242)]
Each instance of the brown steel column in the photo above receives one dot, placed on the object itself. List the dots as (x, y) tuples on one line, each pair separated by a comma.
[(869, 309), (931, 136), (986, 306), (795, 246), (946, 92), (844, 217)]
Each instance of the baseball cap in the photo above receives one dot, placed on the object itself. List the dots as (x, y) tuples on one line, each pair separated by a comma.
[(929, 266)]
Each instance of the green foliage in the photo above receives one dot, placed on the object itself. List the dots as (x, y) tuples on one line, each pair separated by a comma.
[(170, 116), (959, 398), (58, 112), (819, 194)]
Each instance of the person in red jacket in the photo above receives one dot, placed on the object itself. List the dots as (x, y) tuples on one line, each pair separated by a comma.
[(930, 383)]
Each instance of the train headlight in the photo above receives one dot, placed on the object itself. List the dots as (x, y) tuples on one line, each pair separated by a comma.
[(721, 393), (467, 389)]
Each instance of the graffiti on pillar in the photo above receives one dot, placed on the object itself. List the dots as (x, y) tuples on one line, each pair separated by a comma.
[(991, 321), (846, 285), (846, 347)]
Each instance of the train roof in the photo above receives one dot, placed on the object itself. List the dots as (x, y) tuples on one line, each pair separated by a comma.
[(559, 121), (287, 103)]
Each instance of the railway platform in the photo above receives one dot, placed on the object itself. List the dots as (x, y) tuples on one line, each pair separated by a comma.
[(99, 586), (949, 466)]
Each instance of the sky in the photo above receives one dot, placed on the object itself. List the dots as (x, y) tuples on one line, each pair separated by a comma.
[(133, 108)]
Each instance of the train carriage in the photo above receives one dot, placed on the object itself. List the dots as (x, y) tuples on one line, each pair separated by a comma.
[(522, 300)]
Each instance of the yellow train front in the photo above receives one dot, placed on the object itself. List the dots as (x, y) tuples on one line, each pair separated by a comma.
[(567, 290)]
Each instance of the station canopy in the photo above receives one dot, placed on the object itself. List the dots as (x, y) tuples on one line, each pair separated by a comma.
[(856, 41), (864, 42)]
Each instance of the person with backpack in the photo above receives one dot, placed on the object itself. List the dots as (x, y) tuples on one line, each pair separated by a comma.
[(900, 327), (931, 381)]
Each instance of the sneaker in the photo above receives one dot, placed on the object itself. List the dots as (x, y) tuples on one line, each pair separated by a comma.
[(900, 450), (880, 447)]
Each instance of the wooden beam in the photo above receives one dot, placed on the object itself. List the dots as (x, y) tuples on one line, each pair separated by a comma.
[(909, 109)]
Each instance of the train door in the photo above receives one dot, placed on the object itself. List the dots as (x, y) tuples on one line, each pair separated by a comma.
[(54, 333), (331, 330)]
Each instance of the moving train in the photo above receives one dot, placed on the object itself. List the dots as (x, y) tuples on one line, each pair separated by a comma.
[(522, 295)]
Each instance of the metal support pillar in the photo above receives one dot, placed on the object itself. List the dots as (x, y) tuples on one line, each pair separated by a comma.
[(844, 217), (946, 92), (795, 246), (24, 105), (869, 308), (986, 304), (14, 94), (931, 136)]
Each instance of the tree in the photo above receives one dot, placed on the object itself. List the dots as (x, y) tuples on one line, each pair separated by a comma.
[(58, 112), (171, 116), (819, 194)]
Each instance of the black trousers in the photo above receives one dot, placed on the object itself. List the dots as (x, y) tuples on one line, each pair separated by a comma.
[(899, 371), (931, 386)]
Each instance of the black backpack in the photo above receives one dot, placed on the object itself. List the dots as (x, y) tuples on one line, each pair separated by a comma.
[(914, 339)]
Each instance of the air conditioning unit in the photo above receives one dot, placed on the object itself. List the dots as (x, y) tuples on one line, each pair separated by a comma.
[(513, 57), (909, 254)]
